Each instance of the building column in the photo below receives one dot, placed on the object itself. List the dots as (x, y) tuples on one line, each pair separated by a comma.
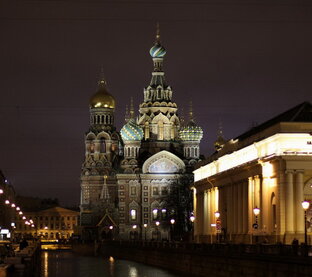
[(240, 209), (245, 208), (289, 196), (298, 202), (250, 203)]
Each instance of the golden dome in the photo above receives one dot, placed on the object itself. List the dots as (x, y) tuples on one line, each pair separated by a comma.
[(102, 98)]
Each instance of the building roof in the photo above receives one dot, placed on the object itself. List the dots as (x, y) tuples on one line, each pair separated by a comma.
[(59, 210), (299, 113), (286, 122)]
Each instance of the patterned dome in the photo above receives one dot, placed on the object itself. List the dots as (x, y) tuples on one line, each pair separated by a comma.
[(131, 131), (157, 51), (191, 132)]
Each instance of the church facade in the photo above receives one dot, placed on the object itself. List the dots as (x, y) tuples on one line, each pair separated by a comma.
[(129, 176)]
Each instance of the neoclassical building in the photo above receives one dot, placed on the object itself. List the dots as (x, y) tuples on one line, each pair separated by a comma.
[(268, 168), (127, 176)]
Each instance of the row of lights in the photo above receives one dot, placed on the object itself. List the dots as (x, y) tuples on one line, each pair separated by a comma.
[(18, 210), (157, 223)]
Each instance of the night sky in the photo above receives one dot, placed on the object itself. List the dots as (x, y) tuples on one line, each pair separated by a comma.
[(240, 62)]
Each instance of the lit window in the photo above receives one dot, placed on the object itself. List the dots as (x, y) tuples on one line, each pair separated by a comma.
[(155, 213), (133, 214)]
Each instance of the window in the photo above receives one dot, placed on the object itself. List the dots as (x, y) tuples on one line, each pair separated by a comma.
[(155, 191), (164, 191), (133, 190), (133, 214), (155, 214)]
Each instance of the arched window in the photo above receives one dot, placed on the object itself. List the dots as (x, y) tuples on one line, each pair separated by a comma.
[(102, 145), (92, 147)]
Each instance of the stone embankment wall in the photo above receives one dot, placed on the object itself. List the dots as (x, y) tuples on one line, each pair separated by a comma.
[(24, 262), (216, 259)]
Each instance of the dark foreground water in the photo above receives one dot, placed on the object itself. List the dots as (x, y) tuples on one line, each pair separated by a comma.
[(67, 264)]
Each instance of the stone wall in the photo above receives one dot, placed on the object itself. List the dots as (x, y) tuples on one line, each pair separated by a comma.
[(215, 259)]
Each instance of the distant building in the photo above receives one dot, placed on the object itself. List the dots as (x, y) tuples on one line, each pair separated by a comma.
[(267, 170), (128, 176), (52, 223)]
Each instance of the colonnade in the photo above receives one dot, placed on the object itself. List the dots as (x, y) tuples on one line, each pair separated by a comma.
[(294, 214)]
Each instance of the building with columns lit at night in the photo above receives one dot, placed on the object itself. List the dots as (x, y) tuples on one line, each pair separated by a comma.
[(127, 176), (267, 170)]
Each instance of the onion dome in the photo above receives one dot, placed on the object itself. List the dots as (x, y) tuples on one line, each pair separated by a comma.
[(131, 131), (102, 98), (191, 132), (157, 51)]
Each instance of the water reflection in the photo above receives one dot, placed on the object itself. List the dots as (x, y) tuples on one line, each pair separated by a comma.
[(65, 263)]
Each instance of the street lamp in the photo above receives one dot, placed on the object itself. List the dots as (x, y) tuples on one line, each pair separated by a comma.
[(145, 226), (256, 212), (1, 191), (192, 219), (218, 224), (305, 205), (172, 221)]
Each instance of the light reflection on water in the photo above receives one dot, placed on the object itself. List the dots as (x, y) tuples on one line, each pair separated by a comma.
[(67, 264)]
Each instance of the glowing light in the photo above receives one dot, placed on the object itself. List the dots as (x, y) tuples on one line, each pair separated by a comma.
[(172, 221), (111, 259), (45, 227), (1, 191), (256, 211), (7, 202), (111, 227), (192, 218), (305, 205), (32, 225), (163, 211), (18, 208), (217, 214), (134, 227), (157, 223), (13, 205), (20, 213), (24, 217), (145, 225)]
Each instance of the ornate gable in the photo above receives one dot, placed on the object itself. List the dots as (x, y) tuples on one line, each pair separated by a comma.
[(163, 162)]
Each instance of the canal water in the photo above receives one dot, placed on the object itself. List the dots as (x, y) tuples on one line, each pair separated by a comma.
[(67, 264)]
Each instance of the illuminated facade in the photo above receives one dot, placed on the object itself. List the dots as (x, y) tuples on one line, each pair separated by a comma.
[(54, 223), (128, 175), (268, 167)]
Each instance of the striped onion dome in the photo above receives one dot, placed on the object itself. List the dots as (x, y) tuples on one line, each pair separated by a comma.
[(191, 132), (131, 131), (157, 51)]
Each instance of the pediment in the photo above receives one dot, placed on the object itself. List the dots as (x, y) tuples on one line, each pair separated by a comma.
[(163, 162)]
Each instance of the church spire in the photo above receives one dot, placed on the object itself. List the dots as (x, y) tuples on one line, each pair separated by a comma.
[(131, 109), (127, 116), (191, 115), (157, 33), (102, 81)]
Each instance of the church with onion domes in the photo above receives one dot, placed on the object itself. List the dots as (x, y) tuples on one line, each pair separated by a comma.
[(128, 176)]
